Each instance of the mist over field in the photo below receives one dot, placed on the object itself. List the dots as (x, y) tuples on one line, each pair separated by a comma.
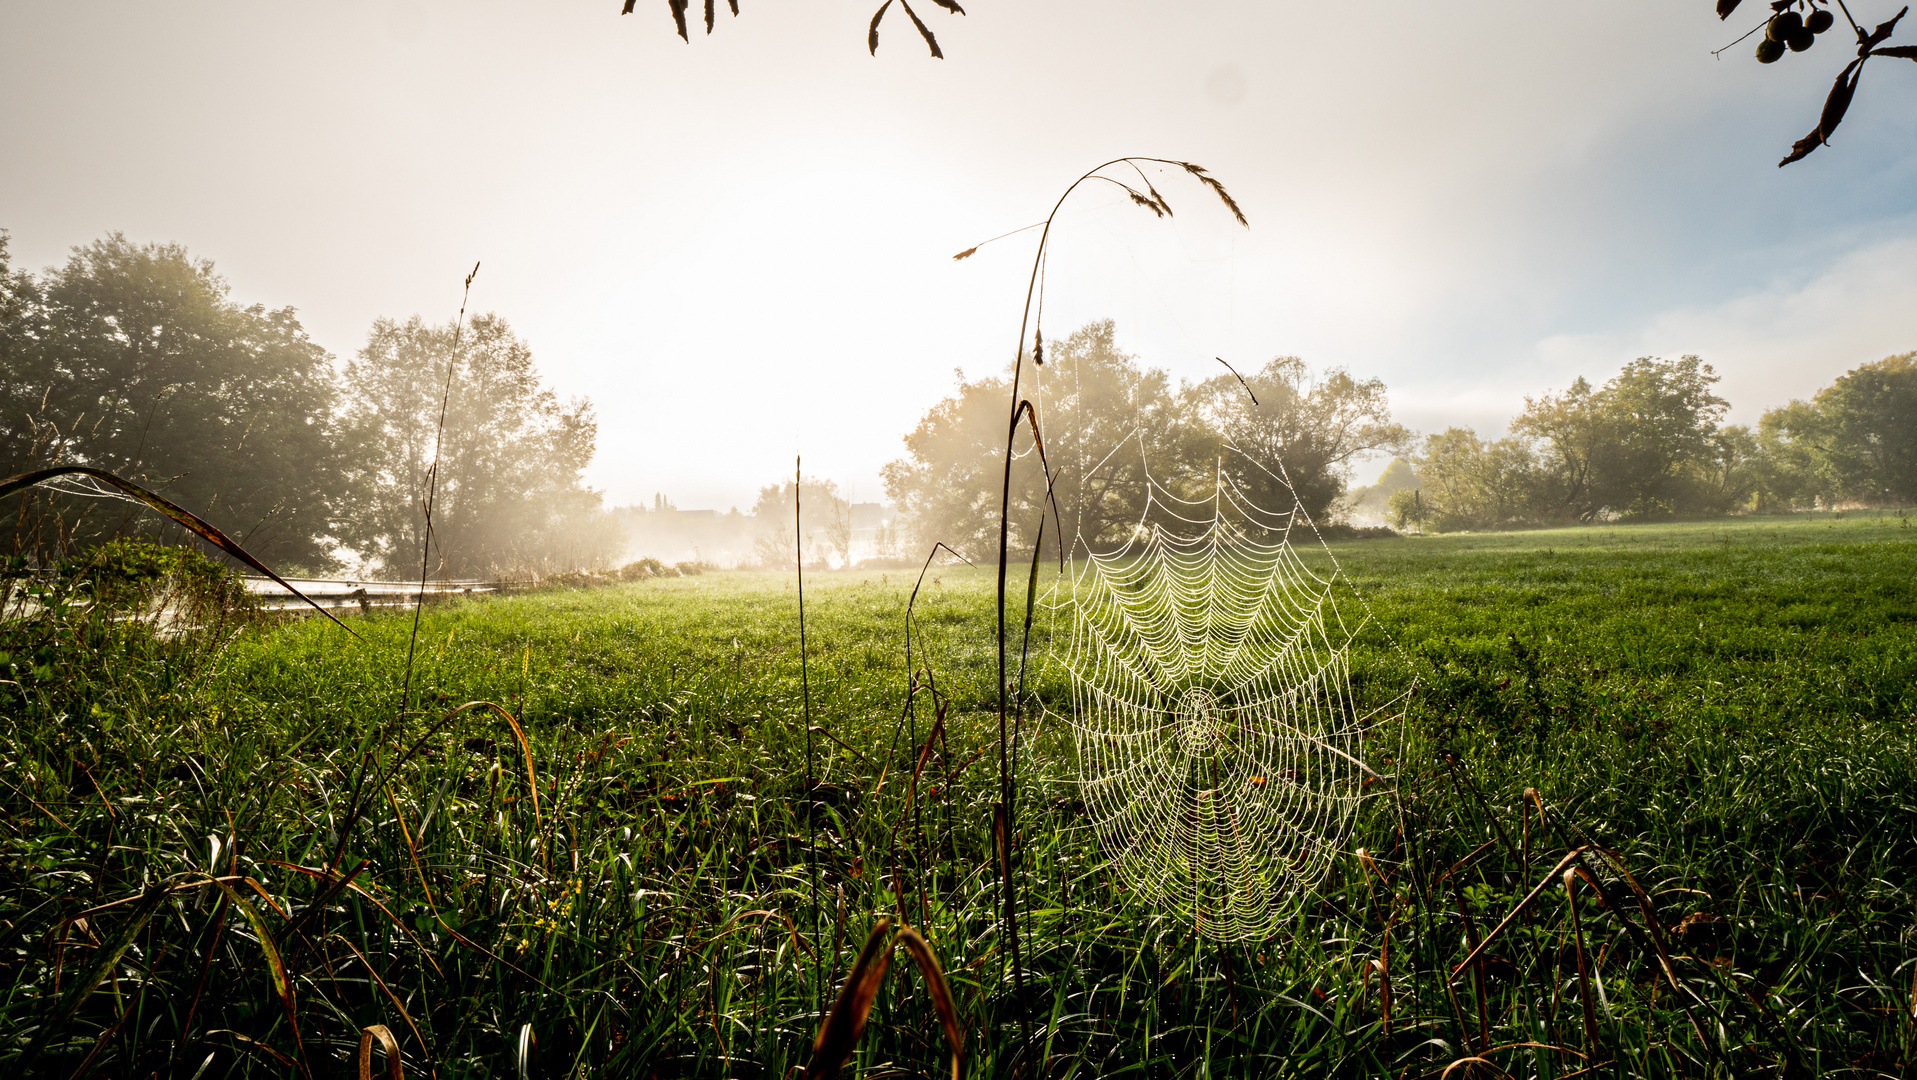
[(623, 538)]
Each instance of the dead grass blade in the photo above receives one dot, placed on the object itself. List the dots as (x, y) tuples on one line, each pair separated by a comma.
[(180, 516), (275, 969), (839, 1034), (392, 1048), (941, 993), (1549, 879), (1471, 1066), (525, 748), (798, 943), (367, 1036)]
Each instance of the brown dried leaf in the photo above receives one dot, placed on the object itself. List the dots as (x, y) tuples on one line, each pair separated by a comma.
[(950, 6), (872, 32), (966, 254), (839, 1034), (924, 31), (1725, 7), (1884, 29), (1834, 107), (387, 1043), (627, 9), (1908, 52), (936, 986), (709, 16), (679, 17)]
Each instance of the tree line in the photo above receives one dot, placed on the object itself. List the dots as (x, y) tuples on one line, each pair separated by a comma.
[(1651, 443), (1648, 444), (135, 358)]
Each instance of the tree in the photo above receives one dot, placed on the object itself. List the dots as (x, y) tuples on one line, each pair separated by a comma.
[(134, 359), (1643, 446), (826, 524), (1109, 427), (508, 496), (1115, 430), (1300, 429), (1856, 439), (1473, 484)]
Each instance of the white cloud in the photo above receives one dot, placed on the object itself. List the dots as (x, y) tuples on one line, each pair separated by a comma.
[(1785, 340)]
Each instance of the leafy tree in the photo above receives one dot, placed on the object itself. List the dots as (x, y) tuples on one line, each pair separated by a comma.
[(1376, 499), (133, 358), (827, 520), (1856, 439), (1473, 484), (1293, 427), (1642, 446), (1108, 425), (1113, 428), (508, 497)]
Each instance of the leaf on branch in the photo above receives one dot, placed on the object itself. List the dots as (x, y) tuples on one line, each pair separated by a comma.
[(924, 31), (1908, 52), (1725, 7), (1781, 6), (950, 6), (627, 10), (966, 254), (709, 16), (734, 5), (679, 17), (1834, 108), (1885, 29), (1218, 188), (872, 33)]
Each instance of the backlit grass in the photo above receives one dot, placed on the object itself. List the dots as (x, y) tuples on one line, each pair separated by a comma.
[(1725, 707)]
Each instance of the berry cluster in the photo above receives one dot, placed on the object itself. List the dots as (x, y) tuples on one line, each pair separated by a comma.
[(1789, 30)]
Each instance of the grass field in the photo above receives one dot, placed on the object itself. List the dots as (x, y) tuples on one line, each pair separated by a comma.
[(225, 861)]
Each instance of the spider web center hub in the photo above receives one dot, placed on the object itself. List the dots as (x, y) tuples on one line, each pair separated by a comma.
[(1200, 722)]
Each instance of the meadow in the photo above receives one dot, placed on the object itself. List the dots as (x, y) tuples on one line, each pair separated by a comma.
[(228, 856)]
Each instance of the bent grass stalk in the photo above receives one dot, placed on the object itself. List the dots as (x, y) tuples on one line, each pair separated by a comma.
[(1007, 809)]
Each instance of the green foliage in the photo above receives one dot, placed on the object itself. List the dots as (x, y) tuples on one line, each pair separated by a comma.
[(1646, 445), (1856, 440), (508, 494), (1112, 426), (1724, 706), (134, 359)]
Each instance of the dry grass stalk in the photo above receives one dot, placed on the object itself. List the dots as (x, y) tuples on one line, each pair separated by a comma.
[(940, 992), (839, 1034), (388, 1045), (167, 508)]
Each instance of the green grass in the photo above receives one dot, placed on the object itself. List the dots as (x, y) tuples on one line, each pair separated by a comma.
[(1728, 707)]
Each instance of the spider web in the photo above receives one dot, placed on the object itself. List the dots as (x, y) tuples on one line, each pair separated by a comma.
[(1218, 737)]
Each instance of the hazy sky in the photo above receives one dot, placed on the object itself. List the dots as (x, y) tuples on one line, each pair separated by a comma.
[(741, 248)]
